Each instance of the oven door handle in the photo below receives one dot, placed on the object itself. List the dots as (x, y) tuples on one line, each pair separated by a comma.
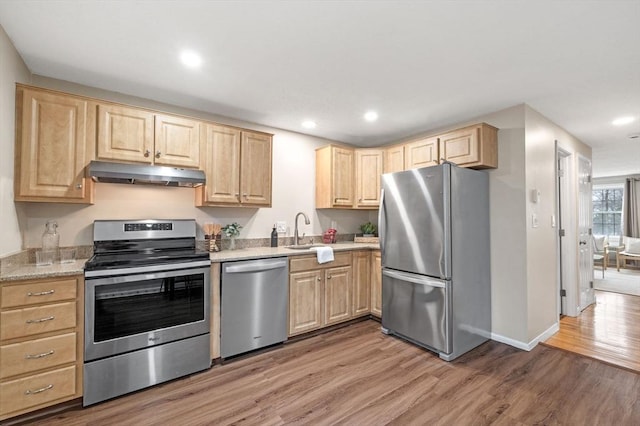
[(254, 266)]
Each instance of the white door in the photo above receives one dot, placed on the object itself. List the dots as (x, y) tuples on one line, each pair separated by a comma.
[(585, 254)]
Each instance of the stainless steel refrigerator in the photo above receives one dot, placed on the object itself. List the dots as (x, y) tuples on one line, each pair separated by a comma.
[(435, 243)]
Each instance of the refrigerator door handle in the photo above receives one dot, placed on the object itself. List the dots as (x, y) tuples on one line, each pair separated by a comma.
[(413, 279), (381, 222)]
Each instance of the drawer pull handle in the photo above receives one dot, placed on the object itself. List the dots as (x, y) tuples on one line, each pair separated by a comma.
[(51, 352), (40, 320), (42, 293), (31, 392)]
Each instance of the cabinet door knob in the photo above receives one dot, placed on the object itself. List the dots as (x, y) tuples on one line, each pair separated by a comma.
[(147, 153), (78, 186), (158, 153), (319, 279), (244, 195), (328, 277)]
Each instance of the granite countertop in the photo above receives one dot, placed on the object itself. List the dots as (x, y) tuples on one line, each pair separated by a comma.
[(262, 252), (31, 271)]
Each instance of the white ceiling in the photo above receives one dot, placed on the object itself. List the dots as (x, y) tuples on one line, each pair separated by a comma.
[(420, 64)]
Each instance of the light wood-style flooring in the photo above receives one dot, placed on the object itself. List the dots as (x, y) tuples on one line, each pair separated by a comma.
[(358, 376), (608, 330)]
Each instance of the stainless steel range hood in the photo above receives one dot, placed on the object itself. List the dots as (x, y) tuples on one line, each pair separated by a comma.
[(103, 171)]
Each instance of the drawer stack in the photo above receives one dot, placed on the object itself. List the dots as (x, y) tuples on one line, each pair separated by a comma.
[(40, 343)]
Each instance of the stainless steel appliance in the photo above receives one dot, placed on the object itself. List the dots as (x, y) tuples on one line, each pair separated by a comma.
[(254, 304), (105, 171), (434, 238), (147, 293)]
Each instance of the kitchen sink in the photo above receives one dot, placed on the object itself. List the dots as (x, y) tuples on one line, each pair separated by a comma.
[(304, 246)]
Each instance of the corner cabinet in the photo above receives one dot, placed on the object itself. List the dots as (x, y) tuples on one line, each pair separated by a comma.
[(137, 135), (339, 170), (54, 138), (237, 165), (41, 343)]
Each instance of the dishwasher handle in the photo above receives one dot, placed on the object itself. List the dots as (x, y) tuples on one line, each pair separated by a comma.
[(254, 266)]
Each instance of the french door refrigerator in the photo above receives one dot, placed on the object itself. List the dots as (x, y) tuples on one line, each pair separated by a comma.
[(435, 242)]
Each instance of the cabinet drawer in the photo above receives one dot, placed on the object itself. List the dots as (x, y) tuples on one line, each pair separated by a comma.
[(38, 292), (306, 263), (36, 390), (41, 319), (34, 355)]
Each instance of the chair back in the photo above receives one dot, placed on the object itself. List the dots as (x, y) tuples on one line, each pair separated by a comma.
[(599, 243)]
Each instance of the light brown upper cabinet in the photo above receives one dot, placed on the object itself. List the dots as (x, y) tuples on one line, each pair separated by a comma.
[(54, 136), (394, 159), (334, 177), (421, 153), (255, 169), (474, 146), (138, 135), (368, 172), (237, 165), (177, 141)]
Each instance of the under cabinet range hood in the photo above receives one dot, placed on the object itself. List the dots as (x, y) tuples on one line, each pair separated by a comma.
[(104, 171)]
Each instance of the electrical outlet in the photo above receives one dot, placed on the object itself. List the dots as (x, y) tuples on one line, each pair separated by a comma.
[(534, 220), (281, 227)]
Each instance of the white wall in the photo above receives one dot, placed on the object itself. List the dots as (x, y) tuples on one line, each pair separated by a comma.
[(524, 260), (293, 185), (12, 70)]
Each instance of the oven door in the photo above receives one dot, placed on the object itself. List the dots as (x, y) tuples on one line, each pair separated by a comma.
[(130, 312)]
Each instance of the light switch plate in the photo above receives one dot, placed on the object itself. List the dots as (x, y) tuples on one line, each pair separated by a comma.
[(281, 226)]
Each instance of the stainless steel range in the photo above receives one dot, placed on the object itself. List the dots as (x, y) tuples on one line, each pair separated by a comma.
[(147, 292)]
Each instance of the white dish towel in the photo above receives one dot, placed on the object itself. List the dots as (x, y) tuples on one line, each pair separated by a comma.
[(325, 254)]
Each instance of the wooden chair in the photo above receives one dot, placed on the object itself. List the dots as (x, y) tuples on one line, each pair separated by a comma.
[(600, 252), (630, 250)]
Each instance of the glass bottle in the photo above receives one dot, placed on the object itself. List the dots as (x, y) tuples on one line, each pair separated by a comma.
[(50, 238)]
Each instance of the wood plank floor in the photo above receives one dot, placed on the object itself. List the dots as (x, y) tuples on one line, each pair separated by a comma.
[(608, 330), (358, 376)]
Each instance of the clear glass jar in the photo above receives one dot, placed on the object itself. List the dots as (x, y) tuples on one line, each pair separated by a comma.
[(51, 238)]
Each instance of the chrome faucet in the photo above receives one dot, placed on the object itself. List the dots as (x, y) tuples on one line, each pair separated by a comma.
[(296, 238)]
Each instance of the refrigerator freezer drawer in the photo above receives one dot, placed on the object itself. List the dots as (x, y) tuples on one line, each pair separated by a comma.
[(417, 308)]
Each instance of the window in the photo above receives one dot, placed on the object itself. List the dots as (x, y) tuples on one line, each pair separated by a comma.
[(607, 210)]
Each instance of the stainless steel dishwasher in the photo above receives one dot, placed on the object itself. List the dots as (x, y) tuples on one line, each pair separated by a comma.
[(254, 304)]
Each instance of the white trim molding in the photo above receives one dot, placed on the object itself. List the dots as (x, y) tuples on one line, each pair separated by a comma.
[(532, 344)]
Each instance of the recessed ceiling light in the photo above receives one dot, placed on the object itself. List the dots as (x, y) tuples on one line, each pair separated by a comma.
[(623, 120), (191, 59), (309, 124), (371, 116)]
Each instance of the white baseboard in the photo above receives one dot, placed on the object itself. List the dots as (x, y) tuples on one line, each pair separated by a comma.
[(524, 345)]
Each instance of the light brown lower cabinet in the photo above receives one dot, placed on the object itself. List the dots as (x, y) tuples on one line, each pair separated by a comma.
[(361, 283), (41, 343), (319, 294), (376, 283)]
